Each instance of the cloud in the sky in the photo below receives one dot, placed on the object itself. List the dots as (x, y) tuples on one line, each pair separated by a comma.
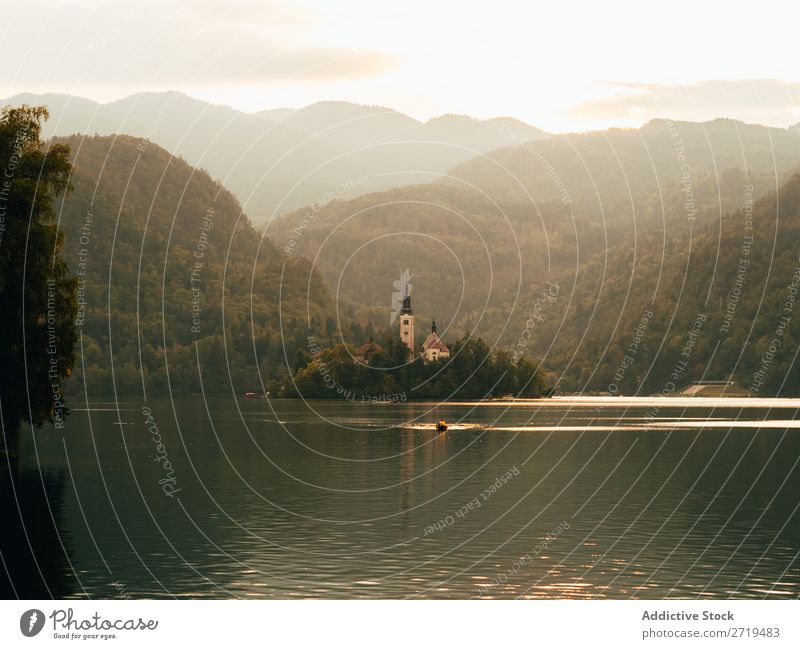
[(152, 44), (770, 101), (310, 64), (421, 57)]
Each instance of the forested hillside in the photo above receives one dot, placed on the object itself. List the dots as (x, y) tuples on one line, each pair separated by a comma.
[(628, 223), (174, 279), (570, 282), (463, 251), (653, 314), (472, 259)]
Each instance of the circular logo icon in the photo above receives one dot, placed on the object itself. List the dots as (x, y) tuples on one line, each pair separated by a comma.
[(31, 622)]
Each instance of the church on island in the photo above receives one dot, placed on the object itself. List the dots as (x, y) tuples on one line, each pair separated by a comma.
[(433, 349)]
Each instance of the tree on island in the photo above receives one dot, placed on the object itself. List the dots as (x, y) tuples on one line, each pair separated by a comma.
[(37, 296), (473, 371)]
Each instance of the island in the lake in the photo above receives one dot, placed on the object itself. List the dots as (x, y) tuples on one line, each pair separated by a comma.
[(400, 370)]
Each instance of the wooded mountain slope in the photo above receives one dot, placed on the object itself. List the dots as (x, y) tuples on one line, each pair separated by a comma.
[(653, 314), (481, 257), (174, 279)]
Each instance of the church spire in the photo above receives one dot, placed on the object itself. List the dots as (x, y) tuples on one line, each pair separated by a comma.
[(406, 310), (407, 322)]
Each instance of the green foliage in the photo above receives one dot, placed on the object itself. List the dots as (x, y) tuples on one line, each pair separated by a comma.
[(37, 297), (473, 371), (633, 240), (475, 263), (179, 292), (466, 254), (652, 313)]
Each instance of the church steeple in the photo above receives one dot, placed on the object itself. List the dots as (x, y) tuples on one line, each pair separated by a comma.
[(434, 349), (406, 310), (407, 323)]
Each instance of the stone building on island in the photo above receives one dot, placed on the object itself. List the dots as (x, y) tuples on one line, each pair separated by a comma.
[(433, 349)]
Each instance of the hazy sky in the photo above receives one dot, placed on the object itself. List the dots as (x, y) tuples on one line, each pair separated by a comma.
[(561, 65)]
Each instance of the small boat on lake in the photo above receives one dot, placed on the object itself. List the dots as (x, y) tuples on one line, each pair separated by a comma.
[(441, 425)]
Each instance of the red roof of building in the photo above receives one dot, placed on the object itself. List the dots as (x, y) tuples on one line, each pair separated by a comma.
[(434, 342), (367, 348)]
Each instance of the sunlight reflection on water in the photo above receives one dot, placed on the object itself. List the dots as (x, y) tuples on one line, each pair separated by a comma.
[(357, 501)]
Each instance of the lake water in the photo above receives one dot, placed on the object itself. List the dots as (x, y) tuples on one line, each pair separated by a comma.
[(588, 498)]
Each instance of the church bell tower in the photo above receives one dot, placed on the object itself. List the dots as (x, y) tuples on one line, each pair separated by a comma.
[(407, 323)]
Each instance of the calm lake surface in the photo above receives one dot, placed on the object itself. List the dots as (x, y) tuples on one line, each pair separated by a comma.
[(586, 498)]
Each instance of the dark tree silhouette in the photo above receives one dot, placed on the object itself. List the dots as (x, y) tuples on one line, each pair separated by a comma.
[(37, 296)]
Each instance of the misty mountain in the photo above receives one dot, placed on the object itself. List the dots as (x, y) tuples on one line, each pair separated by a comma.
[(718, 287), (474, 251), (275, 114), (607, 170), (278, 160), (487, 263), (612, 218)]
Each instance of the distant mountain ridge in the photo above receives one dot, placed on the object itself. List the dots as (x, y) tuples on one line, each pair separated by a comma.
[(282, 159), (614, 167), (536, 209)]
